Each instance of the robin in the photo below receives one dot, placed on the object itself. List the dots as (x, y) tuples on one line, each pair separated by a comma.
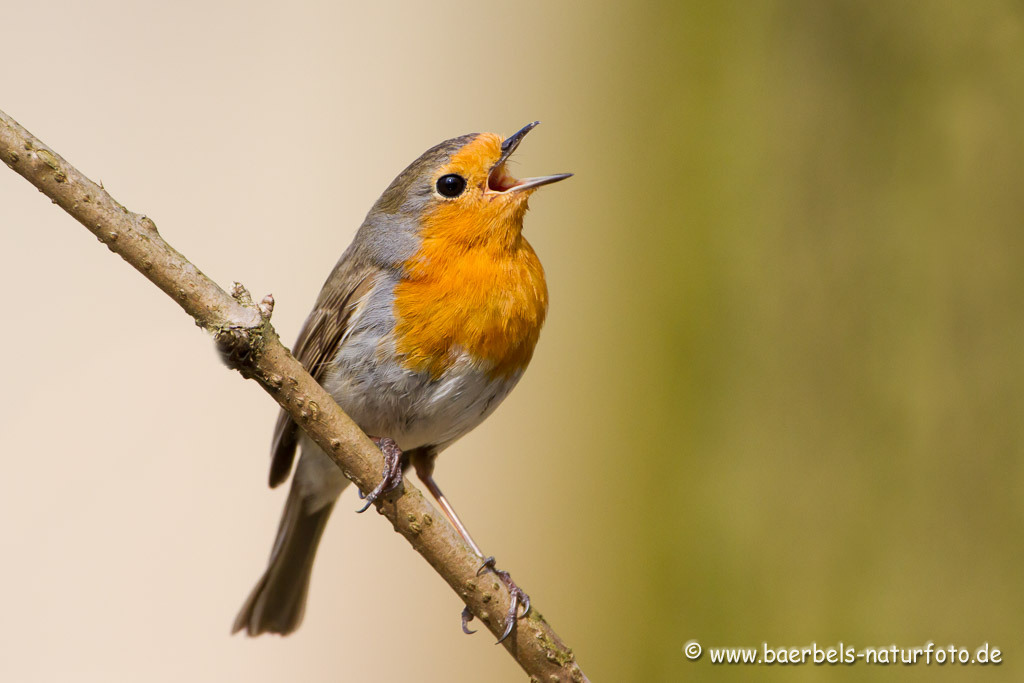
[(424, 326)]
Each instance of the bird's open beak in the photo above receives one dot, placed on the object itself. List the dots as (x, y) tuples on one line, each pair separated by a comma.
[(500, 181)]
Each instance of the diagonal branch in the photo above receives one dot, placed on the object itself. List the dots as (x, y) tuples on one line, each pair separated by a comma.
[(245, 336)]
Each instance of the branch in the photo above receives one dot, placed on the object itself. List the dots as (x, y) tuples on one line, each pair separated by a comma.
[(243, 332)]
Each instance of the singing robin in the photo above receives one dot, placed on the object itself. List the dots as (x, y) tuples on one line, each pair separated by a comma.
[(424, 326)]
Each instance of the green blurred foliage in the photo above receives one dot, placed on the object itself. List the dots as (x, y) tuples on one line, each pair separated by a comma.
[(814, 230)]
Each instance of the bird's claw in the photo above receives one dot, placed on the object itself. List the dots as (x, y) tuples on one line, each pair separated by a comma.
[(516, 595), (467, 617), (488, 565), (391, 478)]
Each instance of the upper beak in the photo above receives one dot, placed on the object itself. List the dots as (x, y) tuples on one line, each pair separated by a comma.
[(500, 181), (512, 141)]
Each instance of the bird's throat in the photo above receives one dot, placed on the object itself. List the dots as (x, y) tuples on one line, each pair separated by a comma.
[(486, 300)]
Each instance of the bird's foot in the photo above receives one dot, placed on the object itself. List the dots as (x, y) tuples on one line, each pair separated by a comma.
[(516, 594), (391, 478)]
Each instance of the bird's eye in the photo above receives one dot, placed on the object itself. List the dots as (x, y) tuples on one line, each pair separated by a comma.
[(451, 185)]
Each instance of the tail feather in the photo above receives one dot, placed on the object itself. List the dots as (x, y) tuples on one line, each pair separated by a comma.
[(278, 601)]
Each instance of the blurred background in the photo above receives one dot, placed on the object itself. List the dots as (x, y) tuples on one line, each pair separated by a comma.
[(779, 396)]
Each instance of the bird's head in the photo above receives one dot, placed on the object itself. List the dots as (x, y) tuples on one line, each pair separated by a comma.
[(461, 191)]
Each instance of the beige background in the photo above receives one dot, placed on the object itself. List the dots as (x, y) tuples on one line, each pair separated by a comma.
[(779, 397)]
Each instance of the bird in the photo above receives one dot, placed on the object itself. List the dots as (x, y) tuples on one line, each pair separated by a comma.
[(423, 327)]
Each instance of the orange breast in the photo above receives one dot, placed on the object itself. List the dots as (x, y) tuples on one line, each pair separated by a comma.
[(487, 297)]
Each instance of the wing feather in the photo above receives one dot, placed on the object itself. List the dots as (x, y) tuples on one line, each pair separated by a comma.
[(326, 328)]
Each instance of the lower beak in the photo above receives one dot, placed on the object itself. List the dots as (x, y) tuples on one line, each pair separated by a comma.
[(530, 183)]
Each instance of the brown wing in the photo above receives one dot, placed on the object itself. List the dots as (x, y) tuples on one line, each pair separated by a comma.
[(348, 285)]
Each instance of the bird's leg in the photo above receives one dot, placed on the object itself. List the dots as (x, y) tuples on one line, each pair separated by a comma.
[(423, 461), (392, 475), (424, 464)]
